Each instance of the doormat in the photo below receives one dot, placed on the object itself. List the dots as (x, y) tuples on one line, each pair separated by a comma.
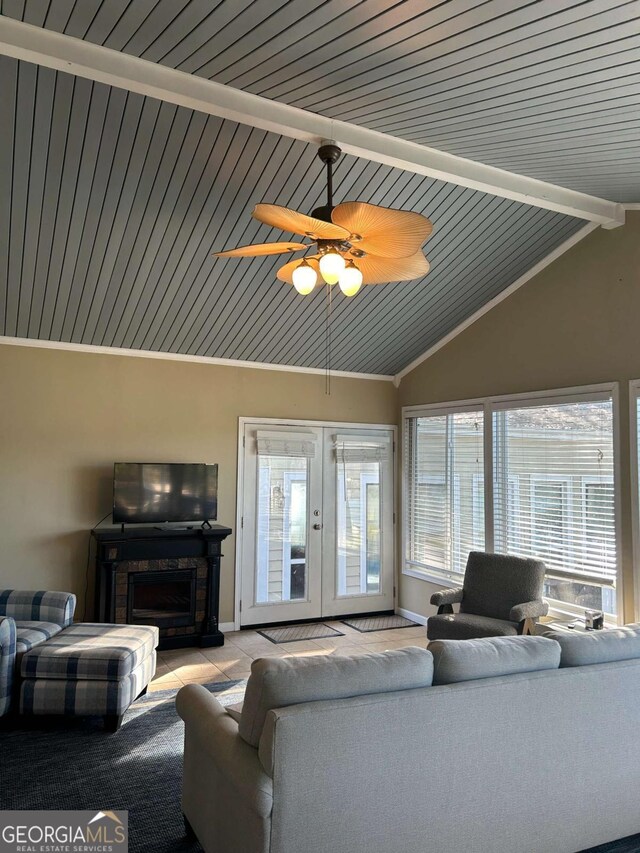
[(364, 624), (296, 633)]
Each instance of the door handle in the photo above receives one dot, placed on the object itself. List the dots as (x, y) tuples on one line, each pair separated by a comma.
[(317, 527)]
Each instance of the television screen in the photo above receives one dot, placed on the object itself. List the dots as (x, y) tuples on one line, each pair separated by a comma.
[(159, 492)]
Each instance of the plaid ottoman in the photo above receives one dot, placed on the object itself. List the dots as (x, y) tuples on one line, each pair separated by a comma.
[(89, 669)]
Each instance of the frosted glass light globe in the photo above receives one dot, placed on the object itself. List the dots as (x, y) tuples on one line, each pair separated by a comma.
[(304, 278), (350, 279), (331, 265)]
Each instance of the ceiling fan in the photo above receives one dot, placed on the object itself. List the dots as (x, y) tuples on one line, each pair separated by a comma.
[(357, 243)]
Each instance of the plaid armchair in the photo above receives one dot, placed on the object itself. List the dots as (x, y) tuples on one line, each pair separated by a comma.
[(27, 618)]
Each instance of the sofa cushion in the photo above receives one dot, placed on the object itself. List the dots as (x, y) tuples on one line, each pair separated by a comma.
[(467, 626), (30, 634), (587, 647), (278, 682), (489, 657), (91, 651)]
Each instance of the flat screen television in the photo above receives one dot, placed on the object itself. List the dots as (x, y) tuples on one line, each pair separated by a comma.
[(158, 492)]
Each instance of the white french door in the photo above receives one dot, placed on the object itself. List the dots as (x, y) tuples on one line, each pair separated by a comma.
[(317, 530)]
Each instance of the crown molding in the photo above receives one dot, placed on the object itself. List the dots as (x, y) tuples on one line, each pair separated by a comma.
[(189, 359), (104, 65)]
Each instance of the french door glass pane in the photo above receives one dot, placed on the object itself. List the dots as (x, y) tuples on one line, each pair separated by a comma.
[(281, 569), (358, 522), (554, 496)]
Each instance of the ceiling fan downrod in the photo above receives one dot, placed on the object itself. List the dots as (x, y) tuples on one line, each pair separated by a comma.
[(329, 153)]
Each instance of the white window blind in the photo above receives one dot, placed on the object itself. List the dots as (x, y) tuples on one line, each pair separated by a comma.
[(361, 448), (291, 444), (553, 495), (444, 461)]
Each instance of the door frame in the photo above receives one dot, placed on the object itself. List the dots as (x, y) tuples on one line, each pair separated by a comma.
[(243, 420)]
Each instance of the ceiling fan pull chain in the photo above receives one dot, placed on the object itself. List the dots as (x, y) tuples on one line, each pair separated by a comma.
[(327, 389)]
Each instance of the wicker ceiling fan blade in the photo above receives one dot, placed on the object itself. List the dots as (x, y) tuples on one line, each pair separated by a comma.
[(262, 249), (285, 273), (382, 231), (298, 223), (376, 270)]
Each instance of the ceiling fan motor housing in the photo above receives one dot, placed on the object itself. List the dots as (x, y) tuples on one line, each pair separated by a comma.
[(323, 212)]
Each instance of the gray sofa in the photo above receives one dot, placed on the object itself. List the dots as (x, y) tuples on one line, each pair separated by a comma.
[(496, 744)]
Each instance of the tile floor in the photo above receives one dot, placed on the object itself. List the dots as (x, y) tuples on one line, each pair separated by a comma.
[(233, 660)]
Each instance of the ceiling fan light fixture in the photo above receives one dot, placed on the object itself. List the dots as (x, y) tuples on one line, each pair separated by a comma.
[(331, 266), (304, 278), (350, 280)]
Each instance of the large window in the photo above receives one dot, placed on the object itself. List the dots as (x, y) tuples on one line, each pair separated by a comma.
[(549, 484), (444, 463), (560, 455)]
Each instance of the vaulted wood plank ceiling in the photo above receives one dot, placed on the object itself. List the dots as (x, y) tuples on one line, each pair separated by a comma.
[(111, 203), (547, 88)]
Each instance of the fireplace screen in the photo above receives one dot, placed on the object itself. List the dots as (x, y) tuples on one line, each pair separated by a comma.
[(166, 599)]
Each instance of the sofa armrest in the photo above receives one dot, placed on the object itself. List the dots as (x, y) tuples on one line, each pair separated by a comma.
[(38, 605), (529, 610), (7, 661), (447, 597), (214, 734)]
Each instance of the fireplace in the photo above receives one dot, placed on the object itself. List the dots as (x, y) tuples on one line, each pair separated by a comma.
[(169, 577), (165, 599)]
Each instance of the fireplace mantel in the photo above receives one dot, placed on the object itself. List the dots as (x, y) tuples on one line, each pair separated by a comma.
[(137, 558)]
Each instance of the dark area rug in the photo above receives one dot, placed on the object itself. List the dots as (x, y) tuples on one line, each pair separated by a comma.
[(365, 624), (298, 633), (75, 765)]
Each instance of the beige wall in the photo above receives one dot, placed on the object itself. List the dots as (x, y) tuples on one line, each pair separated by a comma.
[(65, 417), (576, 323)]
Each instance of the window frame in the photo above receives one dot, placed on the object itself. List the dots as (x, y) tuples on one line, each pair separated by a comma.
[(634, 436), (492, 404)]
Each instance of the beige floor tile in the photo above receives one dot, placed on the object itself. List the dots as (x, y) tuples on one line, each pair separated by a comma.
[(206, 670), (372, 637), (418, 631), (155, 686), (243, 638), (238, 670), (264, 650), (203, 678), (226, 655), (420, 642), (179, 657), (404, 633), (162, 678), (231, 636), (349, 650)]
